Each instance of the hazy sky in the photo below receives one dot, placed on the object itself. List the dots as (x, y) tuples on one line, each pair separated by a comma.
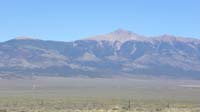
[(73, 19)]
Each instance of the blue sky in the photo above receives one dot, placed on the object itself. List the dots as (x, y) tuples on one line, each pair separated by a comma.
[(68, 20)]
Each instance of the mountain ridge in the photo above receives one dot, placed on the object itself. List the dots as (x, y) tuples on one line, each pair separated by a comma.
[(166, 55), (126, 34), (123, 35)]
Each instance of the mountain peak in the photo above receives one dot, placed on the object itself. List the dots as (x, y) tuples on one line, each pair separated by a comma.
[(171, 38), (122, 31), (118, 35), (24, 38)]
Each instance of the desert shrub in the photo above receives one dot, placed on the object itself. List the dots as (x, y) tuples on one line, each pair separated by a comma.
[(3, 110)]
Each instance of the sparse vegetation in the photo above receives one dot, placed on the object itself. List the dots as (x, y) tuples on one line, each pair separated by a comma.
[(64, 104), (98, 95)]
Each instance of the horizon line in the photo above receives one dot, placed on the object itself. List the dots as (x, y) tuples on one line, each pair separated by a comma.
[(23, 37)]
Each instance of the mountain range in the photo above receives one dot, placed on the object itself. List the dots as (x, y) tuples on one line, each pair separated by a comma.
[(117, 54)]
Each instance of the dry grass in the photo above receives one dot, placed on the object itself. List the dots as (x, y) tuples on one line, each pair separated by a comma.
[(64, 104), (99, 95)]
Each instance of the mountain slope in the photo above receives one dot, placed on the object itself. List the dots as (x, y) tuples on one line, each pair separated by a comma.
[(119, 53)]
